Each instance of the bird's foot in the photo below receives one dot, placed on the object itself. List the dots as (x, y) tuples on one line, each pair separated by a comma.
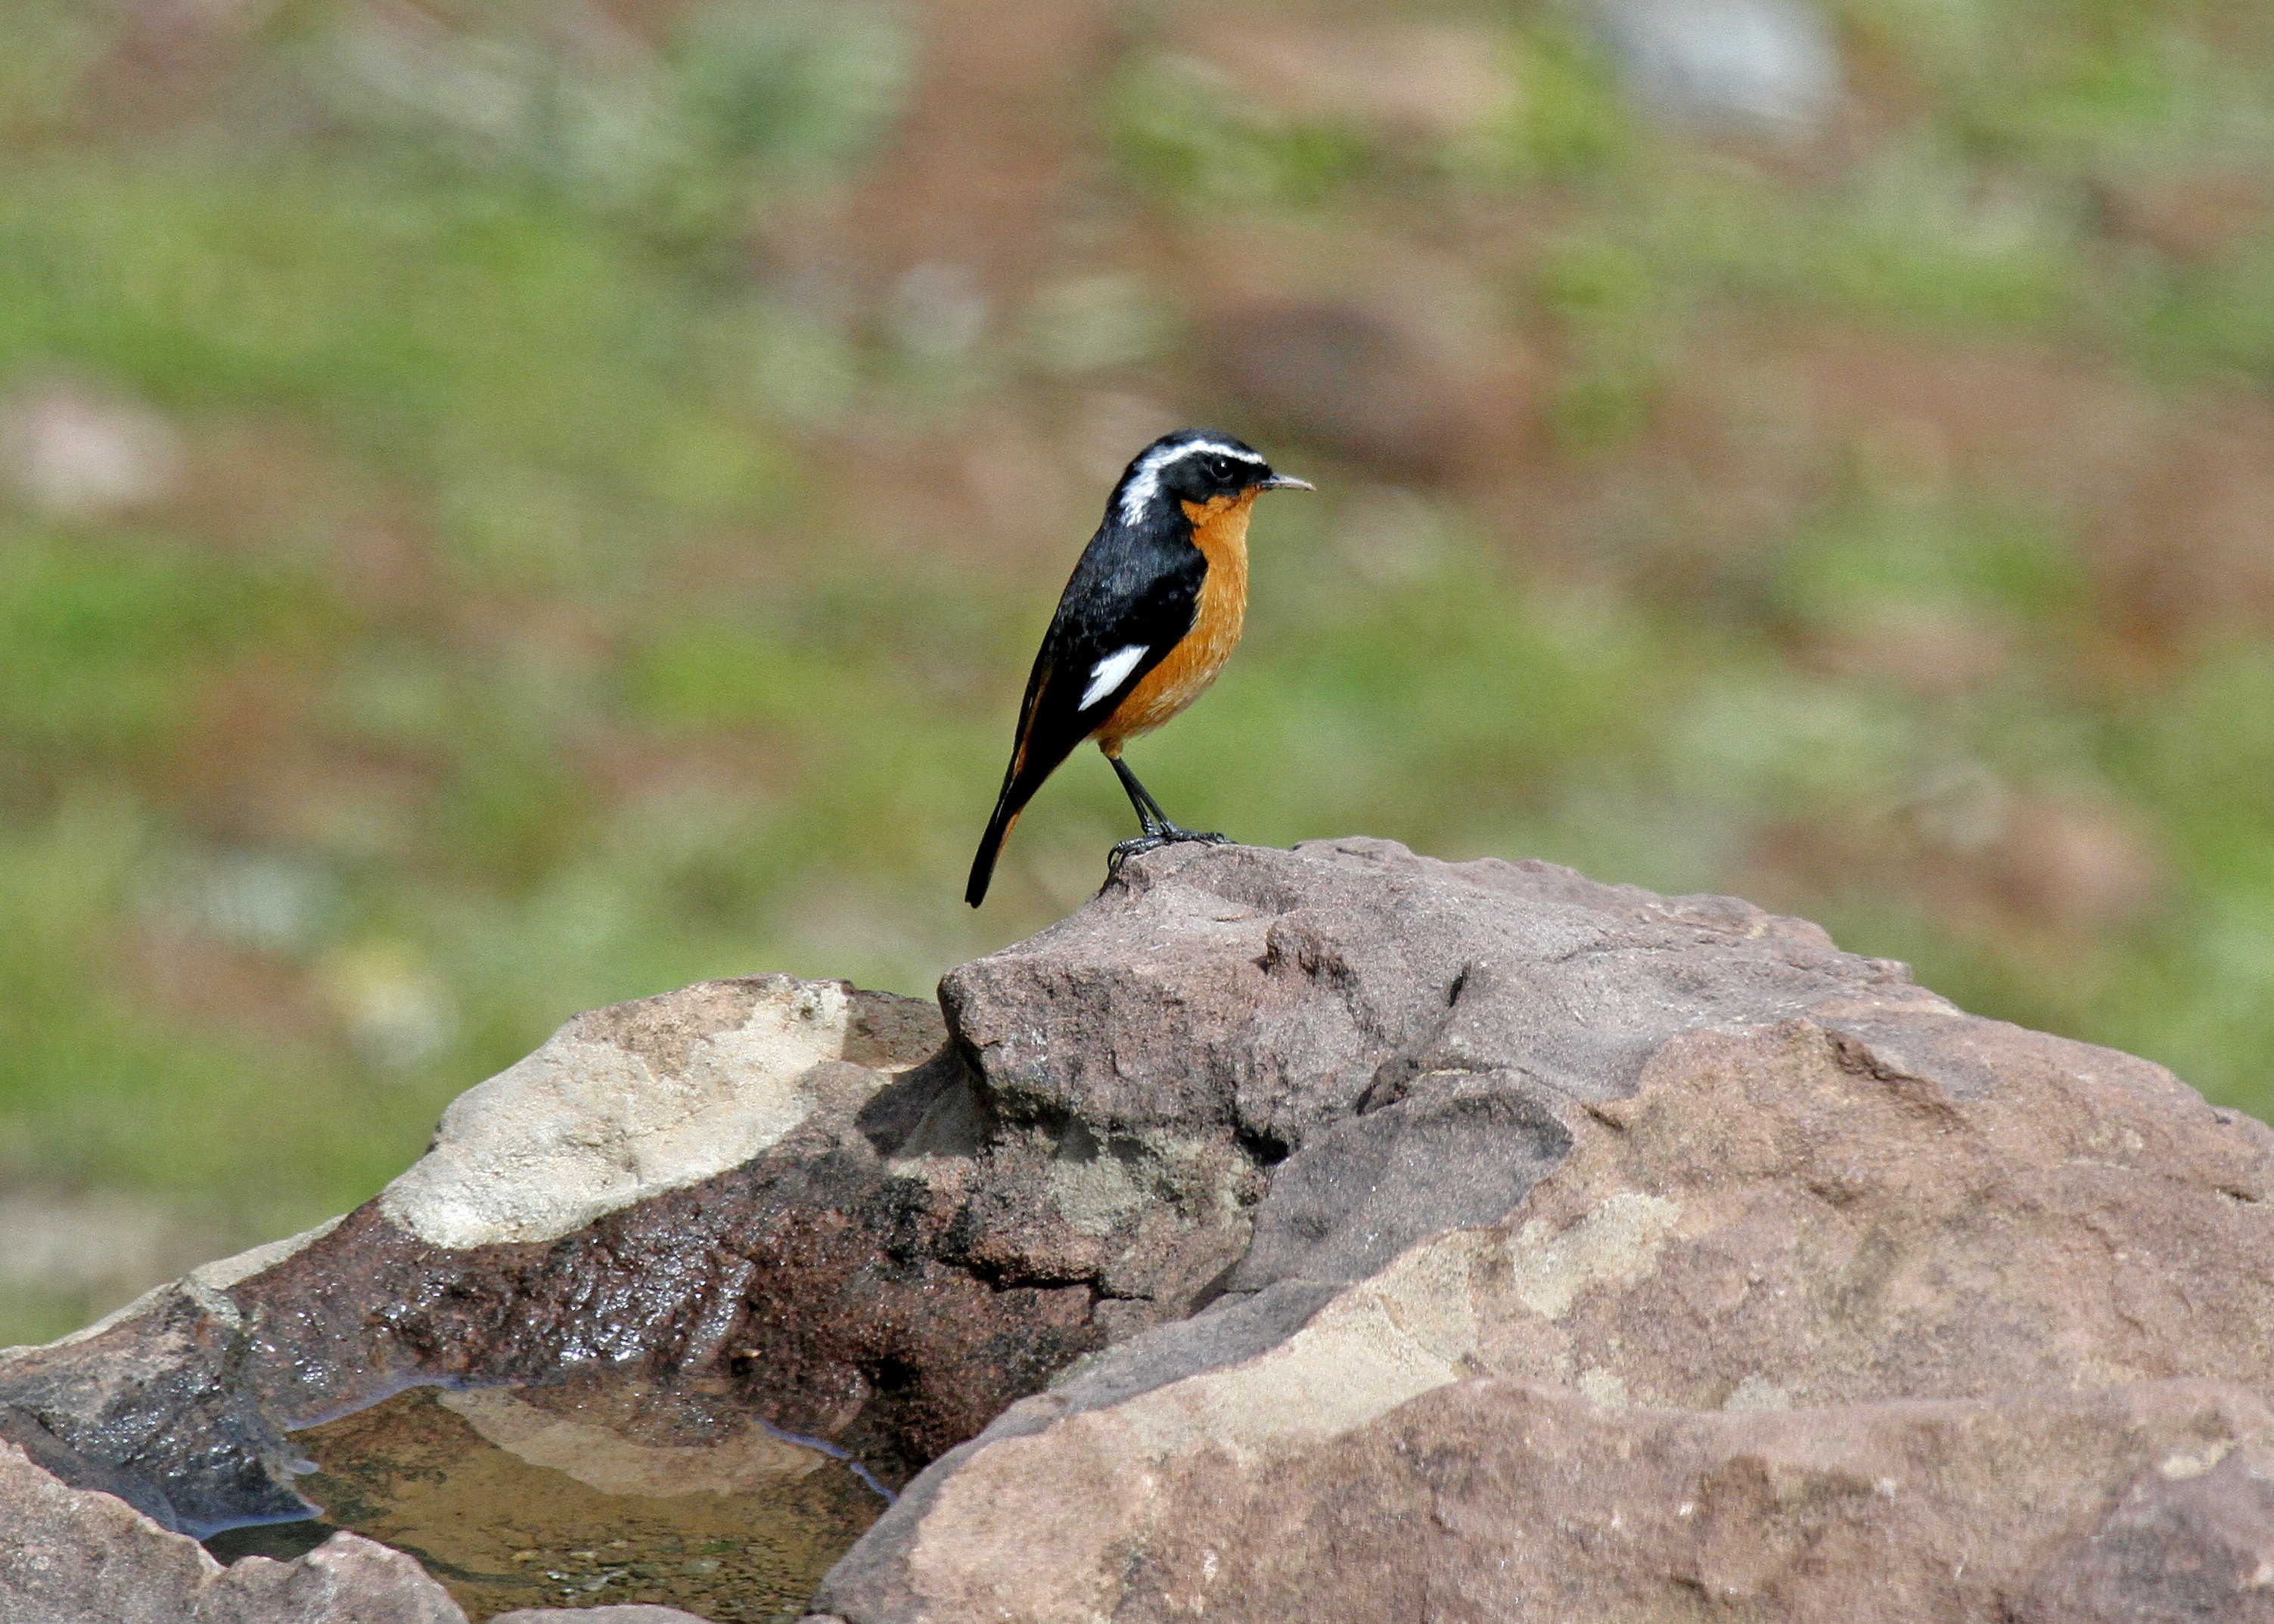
[(1153, 840), (1126, 849)]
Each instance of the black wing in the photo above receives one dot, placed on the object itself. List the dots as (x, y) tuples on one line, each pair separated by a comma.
[(1125, 594), (1122, 597)]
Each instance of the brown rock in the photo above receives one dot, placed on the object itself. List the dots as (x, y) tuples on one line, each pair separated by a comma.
[(1488, 1499), (2191, 1538), (1454, 1241), (1821, 1231), (1276, 992)]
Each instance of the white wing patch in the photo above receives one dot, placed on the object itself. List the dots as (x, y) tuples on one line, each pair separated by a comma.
[(1145, 479), (1108, 674)]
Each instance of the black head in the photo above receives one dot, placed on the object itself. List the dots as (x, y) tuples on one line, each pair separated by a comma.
[(1194, 465)]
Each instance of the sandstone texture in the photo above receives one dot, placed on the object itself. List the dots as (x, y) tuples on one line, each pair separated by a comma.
[(1621, 1255), (1332, 1234)]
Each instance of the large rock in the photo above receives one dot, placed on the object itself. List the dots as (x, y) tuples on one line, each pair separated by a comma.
[(1488, 1499), (1327, 1232), (1627, 1254)]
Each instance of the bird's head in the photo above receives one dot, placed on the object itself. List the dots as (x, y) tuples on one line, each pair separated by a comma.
[(1196, 467)]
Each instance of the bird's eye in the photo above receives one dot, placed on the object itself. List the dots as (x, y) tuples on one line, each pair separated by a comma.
[(1220, 466)]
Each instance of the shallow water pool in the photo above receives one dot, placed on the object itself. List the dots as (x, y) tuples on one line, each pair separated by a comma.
[(582, 1496)]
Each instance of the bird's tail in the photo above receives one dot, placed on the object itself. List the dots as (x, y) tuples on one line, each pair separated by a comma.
[(1008, 805)]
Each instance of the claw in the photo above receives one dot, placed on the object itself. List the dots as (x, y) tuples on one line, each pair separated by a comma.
[(1153, 840), (1130, 847)]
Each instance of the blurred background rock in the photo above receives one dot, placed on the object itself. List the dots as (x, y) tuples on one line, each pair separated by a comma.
[(510, 507)]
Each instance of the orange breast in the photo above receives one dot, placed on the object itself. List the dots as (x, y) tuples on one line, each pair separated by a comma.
[(1220, 531)]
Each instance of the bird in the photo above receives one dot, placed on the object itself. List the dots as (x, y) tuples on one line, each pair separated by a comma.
[(1154, 608)]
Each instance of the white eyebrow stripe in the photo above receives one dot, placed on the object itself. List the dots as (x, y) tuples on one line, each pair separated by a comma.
[(1145, 481), (1107, 674)]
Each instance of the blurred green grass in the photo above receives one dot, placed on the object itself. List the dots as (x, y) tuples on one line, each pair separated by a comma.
[(559, 598)]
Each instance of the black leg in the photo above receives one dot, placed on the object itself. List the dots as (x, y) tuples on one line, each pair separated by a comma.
[(1160, 829), (1148, 811)]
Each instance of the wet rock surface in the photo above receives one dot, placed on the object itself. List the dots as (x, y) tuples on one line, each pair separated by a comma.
[(1459, 1241), (74, 1556), (580, 1493), (634, 1614)]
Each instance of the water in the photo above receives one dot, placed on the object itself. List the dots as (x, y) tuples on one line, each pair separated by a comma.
[(583, 1497)]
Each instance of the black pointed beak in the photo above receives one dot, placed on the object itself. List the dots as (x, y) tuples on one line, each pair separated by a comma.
[(1286, 482)]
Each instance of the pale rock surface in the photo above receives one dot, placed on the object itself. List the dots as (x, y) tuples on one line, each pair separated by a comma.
[(1489, 1499), (592, 1123)]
